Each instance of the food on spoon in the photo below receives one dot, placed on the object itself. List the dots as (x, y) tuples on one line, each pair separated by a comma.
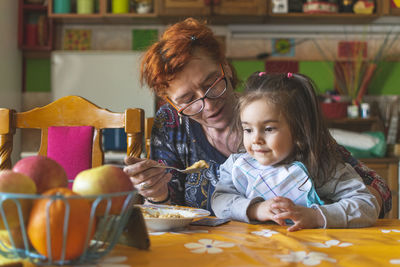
[(201, 164)]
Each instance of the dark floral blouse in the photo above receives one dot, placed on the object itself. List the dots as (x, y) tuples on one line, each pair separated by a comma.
[(180, 142)]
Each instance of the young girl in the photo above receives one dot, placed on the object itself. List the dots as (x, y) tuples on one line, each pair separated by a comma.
[(292, 169)]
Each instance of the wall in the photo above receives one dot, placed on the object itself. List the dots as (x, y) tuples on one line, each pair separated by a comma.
[(313, 48), (10, 63)]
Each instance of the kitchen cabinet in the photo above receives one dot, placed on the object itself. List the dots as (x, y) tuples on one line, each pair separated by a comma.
[(388, 169), (185, 7), (325, 18), (357, 124), (212, 7), (240, 7), (394, 11), (35, 28)]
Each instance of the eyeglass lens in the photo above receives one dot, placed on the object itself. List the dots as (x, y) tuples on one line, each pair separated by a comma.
[(215, 91)]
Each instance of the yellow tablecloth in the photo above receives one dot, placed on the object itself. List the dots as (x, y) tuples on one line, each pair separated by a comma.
[(240, 244)]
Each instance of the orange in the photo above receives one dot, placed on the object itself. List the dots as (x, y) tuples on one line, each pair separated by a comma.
[(55, 211)]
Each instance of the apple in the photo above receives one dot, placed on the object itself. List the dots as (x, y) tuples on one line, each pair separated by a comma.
[(14, 182), (45, 172), (104, 179), (16, 235)]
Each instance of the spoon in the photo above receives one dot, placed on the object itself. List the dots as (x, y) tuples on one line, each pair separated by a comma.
[(187, 170)]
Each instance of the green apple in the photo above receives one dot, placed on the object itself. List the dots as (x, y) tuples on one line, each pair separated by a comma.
[(103, 180), (45, 172), (14, 182)]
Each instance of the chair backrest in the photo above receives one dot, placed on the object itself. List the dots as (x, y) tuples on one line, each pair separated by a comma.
[(147, 134), (71, 111)]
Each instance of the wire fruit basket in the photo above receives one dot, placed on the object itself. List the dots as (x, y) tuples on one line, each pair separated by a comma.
[(107, 227)]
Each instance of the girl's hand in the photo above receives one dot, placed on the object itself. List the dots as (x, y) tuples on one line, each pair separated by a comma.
[(265, 211), (150, 182), (302, 217)]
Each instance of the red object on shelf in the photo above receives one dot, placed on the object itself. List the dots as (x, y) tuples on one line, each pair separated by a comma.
[(44, 30), (334, 110), (31, 33)]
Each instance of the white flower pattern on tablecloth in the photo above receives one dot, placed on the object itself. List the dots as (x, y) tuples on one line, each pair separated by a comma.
[(208, 246), (265, 232), (395, 261), (386, 231), (109, 261), (330, 243), (311, 258)]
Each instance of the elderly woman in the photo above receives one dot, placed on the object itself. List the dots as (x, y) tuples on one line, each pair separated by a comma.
[(188, 69)]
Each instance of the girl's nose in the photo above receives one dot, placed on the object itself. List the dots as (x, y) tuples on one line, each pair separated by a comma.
[(258, 138)]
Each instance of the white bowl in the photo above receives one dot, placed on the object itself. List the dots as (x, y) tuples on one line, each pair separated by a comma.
[(166, 220)]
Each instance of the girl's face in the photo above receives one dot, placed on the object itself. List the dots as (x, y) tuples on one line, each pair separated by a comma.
[(192, 83), (266, 133)]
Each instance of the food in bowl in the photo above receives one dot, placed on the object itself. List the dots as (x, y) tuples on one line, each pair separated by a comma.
[(148, 213), (169, 217)]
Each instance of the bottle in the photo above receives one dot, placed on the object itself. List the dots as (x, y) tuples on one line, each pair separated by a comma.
[(365, 110), (346, 6)]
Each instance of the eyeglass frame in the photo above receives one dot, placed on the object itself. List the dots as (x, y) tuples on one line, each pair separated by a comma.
[(180, 110)]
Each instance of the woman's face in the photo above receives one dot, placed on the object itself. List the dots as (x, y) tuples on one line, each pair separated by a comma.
[(192, 83)]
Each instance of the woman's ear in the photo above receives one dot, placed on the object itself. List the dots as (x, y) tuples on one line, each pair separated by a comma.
[(227, 69)]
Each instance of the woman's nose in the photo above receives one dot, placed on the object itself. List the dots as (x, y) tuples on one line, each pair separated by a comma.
[(209, 104)]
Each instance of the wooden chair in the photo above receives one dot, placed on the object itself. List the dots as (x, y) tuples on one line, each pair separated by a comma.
[(71, 111)]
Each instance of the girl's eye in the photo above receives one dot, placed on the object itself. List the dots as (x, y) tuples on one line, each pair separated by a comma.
[(247, 130), (270, 129)]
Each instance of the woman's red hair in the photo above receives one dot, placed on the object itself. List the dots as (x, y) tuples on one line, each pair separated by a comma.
[(167, 57)]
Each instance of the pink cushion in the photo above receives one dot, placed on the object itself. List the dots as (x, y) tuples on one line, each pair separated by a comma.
[(71, 147)]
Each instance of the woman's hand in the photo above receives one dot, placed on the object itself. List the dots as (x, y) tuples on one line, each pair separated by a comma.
[(150, 182), (302, 217)]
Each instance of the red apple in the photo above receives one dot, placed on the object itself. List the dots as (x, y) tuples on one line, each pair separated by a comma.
[(103, 180), (45, 172), (14, 182)]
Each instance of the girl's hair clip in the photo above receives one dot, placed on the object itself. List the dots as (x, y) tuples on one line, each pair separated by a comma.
[(289, 75), (193, 38), (261, 73)]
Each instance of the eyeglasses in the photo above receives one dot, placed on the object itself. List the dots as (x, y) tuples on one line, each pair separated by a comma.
[(216, 90)]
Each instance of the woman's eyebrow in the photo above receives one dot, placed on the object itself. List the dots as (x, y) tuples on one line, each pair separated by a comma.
[(211, 75), (181, 97)]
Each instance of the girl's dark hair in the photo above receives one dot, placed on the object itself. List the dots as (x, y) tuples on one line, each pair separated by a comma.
[(295, 97)]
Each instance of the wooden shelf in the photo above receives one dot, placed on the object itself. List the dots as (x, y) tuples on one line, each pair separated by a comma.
[(26, 10), (101, 15), (356, 124), (32, 7)]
